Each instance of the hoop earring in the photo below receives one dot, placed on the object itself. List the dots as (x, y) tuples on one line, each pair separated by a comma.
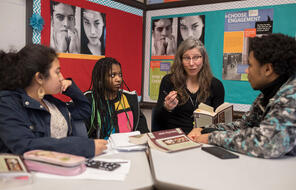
[(41, 92)]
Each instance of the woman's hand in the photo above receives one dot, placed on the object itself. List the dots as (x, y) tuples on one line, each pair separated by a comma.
[(195, 135), (74, 44), (171, 45), (66, 84), (100, 146), (171, 101), (160, 48), (60, 39), (204, 138)]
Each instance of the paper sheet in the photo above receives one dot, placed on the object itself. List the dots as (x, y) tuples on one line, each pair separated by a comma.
[(120, 142), (119, 174)]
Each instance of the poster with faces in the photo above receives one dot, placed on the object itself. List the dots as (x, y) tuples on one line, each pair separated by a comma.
[(77, 30), (168, 33)]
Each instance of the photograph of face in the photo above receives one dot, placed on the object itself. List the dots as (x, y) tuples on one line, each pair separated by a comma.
[(163, 39), (65, 35), (13, 164), (92, 32), (191, 26)]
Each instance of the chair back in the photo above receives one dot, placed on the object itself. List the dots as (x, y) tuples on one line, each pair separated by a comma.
[(154, 125)]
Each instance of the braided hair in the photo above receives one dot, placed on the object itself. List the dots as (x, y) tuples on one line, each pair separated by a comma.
[(103, 114)]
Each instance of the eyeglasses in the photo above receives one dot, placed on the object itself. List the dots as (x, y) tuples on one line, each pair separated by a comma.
[(195, 58)]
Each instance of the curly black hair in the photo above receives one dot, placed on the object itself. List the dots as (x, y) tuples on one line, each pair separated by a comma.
[(17, 69), (277, 49)]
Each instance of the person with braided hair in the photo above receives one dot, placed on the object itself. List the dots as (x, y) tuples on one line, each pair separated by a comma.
[(113, 110)]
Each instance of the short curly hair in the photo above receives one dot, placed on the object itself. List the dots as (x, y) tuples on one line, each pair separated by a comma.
[(17, 69), (277, 49)]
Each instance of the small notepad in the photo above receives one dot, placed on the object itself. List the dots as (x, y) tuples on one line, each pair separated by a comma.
[(120, 141)]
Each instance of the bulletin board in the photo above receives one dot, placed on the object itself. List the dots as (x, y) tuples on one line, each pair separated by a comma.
[(124, 37), (237, 92)]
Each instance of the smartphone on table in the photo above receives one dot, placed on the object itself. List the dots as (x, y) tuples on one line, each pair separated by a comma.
[(219, 152)]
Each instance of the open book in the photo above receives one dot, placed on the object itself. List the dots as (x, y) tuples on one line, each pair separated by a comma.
[(169, 140), (205, 115)]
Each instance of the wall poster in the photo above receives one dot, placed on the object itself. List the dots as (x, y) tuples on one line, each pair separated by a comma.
[(238, 28), (77, 30)]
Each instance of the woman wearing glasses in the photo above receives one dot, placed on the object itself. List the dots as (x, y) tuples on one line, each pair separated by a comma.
[(189, 83)]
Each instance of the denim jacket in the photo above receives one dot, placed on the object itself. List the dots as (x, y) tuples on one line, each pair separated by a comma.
[(25, 123)]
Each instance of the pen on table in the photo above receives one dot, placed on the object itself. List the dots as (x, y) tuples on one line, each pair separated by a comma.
[(121, 162)]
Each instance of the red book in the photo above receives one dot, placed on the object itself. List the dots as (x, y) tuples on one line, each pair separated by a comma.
[(170, 140)]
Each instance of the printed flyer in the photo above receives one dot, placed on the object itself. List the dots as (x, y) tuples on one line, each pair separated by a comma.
[(158, 69), (238, 28)]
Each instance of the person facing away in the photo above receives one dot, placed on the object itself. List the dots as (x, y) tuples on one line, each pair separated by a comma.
[(163, 41), (113, 110), (268, 130), (93, 32), (189, 83), (64, 35), (191, 26), (30, 117)]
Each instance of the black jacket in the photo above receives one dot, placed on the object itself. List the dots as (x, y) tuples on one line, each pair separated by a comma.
[(25, 123)]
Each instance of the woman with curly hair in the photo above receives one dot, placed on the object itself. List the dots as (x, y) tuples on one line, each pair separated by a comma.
[(189, 83), (30, 116)]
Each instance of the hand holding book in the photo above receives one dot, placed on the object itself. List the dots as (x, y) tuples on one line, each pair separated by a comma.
[(205, 115)]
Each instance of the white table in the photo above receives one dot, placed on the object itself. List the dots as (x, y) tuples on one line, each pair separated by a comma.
[(196, 169), (139, 177)]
